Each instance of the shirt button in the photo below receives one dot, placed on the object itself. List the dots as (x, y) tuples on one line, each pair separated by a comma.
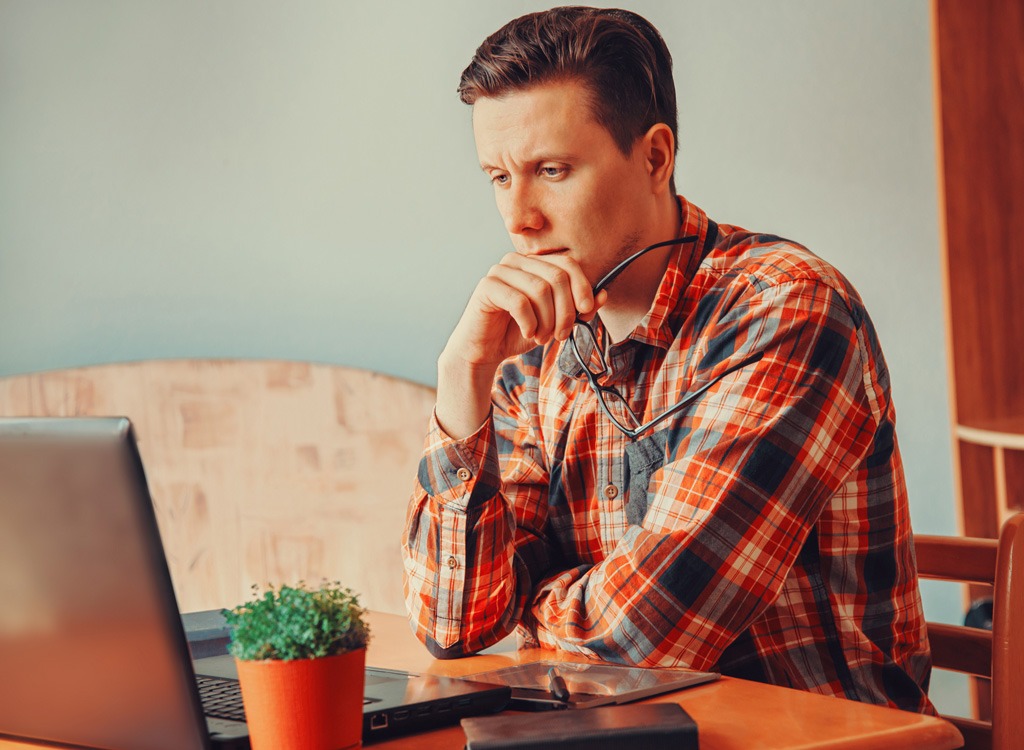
[(611, 491), (453, 563), (463, 474)]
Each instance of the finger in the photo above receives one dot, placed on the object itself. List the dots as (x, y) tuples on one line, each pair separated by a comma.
[(536, 291), (599, 301), (559, 281), (582, 291), (498, 296)]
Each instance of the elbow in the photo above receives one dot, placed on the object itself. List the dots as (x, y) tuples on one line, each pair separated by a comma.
[(455, 651)]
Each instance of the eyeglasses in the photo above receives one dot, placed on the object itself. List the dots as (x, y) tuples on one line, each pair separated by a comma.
[(584, 334)]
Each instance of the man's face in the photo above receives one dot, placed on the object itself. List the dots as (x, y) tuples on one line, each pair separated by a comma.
[(560, 181)]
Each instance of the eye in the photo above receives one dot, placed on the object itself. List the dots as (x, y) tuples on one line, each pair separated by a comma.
[(499, 178), (553, 172)]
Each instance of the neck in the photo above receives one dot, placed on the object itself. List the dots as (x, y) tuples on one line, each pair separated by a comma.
[(631, 294)]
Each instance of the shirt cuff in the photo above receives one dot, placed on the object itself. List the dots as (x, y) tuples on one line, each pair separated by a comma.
[(451, 469)]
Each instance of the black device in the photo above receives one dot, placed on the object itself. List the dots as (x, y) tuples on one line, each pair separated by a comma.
[(651, 726)]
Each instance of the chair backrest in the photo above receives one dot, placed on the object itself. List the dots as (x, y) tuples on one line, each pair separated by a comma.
[(997, 654), (260, 471)]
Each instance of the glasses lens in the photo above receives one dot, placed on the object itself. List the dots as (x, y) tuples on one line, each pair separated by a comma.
[(617, 407), (584, 344)]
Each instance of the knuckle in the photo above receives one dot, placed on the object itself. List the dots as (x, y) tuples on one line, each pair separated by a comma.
[(560, 279), (519, 304), (537, 285)]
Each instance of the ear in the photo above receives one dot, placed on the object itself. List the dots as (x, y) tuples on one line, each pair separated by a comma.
[(660, 156)]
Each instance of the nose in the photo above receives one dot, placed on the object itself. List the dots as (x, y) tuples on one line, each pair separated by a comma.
[(521, 210)]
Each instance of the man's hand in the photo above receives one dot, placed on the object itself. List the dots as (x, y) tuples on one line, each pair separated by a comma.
[(522, 302)]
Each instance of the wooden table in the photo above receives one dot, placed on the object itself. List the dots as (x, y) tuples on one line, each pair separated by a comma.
[(731, 714)]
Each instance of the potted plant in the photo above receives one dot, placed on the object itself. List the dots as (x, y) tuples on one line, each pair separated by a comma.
[(300, 654)]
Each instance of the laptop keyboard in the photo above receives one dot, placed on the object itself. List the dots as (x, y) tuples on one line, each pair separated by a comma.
[(222, 698)]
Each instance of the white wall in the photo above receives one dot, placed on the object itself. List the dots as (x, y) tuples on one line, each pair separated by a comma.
[(285, 180)]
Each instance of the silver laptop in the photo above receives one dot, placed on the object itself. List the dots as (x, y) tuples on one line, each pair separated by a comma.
[(92, 649)]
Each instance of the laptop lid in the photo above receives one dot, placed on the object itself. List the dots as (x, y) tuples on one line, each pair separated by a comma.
[(87, 600), (91, 647)]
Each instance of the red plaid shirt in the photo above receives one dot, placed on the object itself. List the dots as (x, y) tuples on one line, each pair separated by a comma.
[(764, 531)]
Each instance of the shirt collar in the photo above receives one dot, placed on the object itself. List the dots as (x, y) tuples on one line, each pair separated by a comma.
[(659, 326)]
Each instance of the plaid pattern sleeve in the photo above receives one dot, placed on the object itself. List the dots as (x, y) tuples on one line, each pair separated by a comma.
[(466, 584), (764, 531)]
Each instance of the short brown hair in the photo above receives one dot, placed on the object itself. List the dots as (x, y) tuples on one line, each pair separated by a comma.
[(617, 54)]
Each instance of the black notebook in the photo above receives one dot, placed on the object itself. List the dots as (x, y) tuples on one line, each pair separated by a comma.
[(651, 726)]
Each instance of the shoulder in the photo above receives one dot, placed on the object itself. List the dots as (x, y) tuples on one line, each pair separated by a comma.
[(769, 260), (743, 265), (773, 288)]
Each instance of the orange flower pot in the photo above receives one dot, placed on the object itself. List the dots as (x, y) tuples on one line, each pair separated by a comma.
[(306, 704)]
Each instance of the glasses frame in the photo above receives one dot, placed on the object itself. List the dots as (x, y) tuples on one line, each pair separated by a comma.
[(638, 427)]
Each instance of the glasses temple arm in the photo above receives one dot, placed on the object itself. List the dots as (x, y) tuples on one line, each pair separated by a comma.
[(755, 357), (610, 276)]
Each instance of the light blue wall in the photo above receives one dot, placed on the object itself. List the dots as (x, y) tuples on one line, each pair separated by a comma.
[(256, 179)]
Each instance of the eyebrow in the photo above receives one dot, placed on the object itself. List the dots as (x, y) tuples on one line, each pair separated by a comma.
[(561, 158)]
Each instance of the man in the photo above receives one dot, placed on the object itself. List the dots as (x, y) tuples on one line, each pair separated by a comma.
[(658, 440)]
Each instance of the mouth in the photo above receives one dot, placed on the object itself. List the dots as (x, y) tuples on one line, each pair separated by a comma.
[(550, 251)]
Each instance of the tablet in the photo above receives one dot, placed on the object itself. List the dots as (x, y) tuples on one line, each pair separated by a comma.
[(588, 684)]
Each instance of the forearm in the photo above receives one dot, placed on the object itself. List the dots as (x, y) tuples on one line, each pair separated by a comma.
[(463, 395), (466, 559), (462, 589)]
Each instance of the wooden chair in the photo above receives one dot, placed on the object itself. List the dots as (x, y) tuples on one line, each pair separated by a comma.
[(260, 471), (997, 654)]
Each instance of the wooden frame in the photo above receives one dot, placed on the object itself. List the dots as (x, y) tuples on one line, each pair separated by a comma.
[(998, 654)]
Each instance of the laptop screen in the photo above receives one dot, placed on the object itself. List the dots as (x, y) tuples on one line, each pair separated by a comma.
[(89, 651)]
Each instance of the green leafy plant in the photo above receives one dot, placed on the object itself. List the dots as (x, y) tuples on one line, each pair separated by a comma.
[(297, 622)]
